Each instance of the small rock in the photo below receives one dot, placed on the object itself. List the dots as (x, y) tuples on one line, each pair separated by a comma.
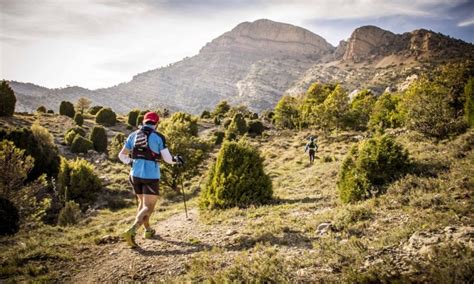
[(113, 253), (230, 232), (323, 228)]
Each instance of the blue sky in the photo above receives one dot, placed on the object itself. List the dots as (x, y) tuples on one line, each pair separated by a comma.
[(100, 43)]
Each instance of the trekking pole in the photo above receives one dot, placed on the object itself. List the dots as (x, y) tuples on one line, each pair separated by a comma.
[(180, 173), (184, 197)]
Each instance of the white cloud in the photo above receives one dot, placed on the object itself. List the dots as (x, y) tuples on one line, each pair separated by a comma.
[(466, 23)]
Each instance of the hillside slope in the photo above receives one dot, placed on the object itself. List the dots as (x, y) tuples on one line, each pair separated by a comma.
[(421, 229)]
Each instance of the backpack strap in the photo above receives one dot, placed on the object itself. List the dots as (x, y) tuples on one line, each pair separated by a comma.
[(141, 148)]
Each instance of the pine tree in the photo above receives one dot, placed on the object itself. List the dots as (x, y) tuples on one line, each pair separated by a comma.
[(7, 99)]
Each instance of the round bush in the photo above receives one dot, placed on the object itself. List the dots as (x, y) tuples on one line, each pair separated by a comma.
[(106, 117), (70, 214), (219, 137), (371, 165), (116, 146), (236, 178), (37, 143), (50, 111), (9, 218), (238, 123), (71, 134), (99, 138), (81, 144), (78, 181), (67, 109), (205, 114), (132, 117), (94, 110), (41, 109), (255, 127), (7, 99), (79, 119), (139, 120)]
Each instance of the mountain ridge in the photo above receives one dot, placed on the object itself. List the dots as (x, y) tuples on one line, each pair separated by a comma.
[(257, 62)]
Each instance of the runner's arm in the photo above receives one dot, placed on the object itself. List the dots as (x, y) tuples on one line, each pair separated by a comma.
[(124, 156), (166, 155)]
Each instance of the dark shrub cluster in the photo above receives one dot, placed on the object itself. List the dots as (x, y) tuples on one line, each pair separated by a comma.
[(99, 138), (369, 166), (67, 108), (78, 181), (106, 117), (81, 144), (236, 178), (7, 99)]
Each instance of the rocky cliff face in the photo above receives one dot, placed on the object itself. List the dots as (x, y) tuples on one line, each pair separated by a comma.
[(370, 42)]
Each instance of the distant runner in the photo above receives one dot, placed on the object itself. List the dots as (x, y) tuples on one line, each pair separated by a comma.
[(146, 147), (312, 147)]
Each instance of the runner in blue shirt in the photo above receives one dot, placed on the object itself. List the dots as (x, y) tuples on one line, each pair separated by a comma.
[(143, 148)]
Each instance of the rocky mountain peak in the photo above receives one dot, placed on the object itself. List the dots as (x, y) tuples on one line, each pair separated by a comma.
[(270, 38), (367, 39)]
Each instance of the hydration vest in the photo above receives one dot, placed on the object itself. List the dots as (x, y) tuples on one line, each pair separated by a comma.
[(312, 145), (141, 149)]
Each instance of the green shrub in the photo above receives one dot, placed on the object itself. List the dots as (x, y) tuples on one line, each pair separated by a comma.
[(67, 108), (70, 214), (180, 131), (360, 109), (369, 166), (71, 134), (41, 109), (99, 138), (187, 120), (139, 120), (255, 127), (81, 144), (236, 178), (218, 137), (132, 117), (221, 109), (7, 99), (426, 108), (78, 181), (94, 110), (385, 113), (286, 113), (9, 218), (79, 119), (50, 111), (28, 198), (239, 124), (116, 146), (37, 143), (469, 105), (205, 114), (106, 117)]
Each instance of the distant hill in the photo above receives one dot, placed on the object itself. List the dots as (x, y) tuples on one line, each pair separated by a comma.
[(257, 62)]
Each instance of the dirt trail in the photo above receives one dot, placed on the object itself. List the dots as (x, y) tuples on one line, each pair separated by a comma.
[(166, 255)]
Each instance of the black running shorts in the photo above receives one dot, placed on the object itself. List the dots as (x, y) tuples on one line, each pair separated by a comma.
[(145, 186)]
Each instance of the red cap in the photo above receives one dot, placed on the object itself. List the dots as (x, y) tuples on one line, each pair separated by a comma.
[(151, 116)]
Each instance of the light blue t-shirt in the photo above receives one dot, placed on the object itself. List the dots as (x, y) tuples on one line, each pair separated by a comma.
[(143, 168)]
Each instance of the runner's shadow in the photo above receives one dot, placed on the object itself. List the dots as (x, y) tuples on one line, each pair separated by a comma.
[(192, 248)]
